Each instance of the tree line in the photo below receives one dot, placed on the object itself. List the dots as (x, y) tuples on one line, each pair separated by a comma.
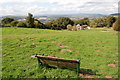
[(62, 22)]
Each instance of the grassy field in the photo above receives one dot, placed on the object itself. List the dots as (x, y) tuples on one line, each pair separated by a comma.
[(97, 49)]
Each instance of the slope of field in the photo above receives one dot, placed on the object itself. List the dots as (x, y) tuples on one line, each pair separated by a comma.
[(97, 49)]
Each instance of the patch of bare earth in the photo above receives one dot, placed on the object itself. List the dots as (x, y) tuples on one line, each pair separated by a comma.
[(112, 65), (59, 44), (108, 77), (66, 50), (99, 51), (85, 75)]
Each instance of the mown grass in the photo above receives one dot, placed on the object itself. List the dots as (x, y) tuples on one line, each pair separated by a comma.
[(18, 44)]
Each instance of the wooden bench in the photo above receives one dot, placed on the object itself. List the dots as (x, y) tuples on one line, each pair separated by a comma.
[(60, 62)]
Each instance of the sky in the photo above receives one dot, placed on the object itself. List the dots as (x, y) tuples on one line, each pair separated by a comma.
[(42, 7)]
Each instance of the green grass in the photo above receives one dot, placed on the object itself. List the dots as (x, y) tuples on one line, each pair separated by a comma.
[(18, 44)]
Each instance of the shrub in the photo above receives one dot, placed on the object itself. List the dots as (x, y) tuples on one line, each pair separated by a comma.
[(69, 27), (116, 25), (14, 23), (38, 24), (21, 24), (6, 25), (48, 25), (74, 28)]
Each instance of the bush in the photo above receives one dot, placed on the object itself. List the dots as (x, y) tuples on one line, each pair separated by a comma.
[(69, 27), (116, 25), (38, 24), (21, 24), (74, 28), (14, 23), (48, 25), (6, 25)]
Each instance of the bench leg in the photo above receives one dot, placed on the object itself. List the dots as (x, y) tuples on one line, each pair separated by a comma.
[(78, 67), (39, 65)]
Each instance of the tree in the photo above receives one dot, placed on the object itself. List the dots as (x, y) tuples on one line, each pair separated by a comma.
[(30, 21), (21, 24), (60, 23), (116, 25), (110, 20), (14, 23), (7, 20), (98, 22), (84, 21)]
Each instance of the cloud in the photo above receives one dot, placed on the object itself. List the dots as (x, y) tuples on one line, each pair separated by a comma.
[(37, 7)]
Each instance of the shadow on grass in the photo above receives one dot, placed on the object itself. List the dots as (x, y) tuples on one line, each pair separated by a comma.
[(88, 71), (82, 70)]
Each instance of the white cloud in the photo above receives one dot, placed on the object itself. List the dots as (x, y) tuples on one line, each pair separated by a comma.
[(22, 7)]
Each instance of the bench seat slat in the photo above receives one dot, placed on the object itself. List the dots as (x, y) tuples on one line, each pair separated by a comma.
[(58, 59), (59, 63)]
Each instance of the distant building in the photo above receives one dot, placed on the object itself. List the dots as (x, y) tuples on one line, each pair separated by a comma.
[(83, 27)]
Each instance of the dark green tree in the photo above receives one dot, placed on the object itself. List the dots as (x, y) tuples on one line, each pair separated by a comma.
[(60, 23), (116, 25), (7, 20), (98, 22), (30, 21), (110, 20), (84, 21)]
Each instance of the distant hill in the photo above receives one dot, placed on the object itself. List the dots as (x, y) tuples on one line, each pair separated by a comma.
[(115, 14), (76, 15), (49, 17), (14, 17)]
